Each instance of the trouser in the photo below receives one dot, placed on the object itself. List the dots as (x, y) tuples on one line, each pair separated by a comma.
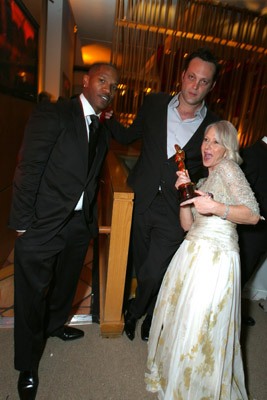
[(154, 239), (46, 276)]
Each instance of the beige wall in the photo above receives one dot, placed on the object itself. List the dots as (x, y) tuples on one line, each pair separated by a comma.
[(59, 56)]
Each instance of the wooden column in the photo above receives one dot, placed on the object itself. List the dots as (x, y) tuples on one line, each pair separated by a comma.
[(115, 216)]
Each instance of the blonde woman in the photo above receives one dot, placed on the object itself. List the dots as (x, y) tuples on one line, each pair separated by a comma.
[(194, 349)]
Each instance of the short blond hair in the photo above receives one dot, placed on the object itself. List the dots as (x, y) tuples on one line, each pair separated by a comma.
[(226, 135)]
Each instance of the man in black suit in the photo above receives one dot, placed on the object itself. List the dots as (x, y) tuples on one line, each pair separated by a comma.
[(54, 211), (162, 122), (253, 240)]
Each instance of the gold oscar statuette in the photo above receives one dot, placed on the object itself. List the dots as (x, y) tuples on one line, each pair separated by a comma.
[(186, 190)]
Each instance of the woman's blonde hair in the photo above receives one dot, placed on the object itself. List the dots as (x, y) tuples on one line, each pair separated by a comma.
[(226, 135)]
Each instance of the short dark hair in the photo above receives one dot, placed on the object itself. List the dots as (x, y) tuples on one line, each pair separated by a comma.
[(98, 65), (206, 55), (44, 96)]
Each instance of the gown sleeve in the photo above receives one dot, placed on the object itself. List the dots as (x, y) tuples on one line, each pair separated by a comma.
[(237, 186)]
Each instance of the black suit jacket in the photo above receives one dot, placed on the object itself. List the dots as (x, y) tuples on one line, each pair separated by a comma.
[(52, 171), (255, 168), (253, 238), (153, 169)]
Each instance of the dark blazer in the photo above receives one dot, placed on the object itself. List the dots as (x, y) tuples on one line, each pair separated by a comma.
[(153, 168), (253, 238), (255, 168), (52, 170)]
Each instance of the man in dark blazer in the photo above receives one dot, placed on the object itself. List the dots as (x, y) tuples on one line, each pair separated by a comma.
[(54, 211), (162, 122), (253, 240)]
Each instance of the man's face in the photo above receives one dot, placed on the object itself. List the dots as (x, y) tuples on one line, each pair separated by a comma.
[(99, 87), (197, 81)]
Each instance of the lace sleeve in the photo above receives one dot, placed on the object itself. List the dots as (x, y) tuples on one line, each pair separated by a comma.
[(237, 186)]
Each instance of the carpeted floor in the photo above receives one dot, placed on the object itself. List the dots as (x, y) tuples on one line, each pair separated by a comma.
[(113, 369)]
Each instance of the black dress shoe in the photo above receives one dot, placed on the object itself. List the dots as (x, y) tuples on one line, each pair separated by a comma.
[(246, 320), (69, 333), (27, 385), (145, 328), (130, 325)]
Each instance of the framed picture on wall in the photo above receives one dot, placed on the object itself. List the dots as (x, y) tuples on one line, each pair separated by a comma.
[(19, 51)]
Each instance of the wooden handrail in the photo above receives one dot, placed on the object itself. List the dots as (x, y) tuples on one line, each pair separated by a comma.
[(104, 229)]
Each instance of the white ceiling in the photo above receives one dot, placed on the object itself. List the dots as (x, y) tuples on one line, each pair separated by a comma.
[(95, 20)]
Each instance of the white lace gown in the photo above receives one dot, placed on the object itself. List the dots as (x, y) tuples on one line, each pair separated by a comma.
[(194, 349)]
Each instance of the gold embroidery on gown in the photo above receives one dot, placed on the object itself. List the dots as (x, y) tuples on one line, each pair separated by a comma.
[(193, 350)]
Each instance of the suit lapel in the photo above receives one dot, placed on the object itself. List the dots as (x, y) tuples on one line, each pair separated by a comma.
[(80, 131), (161, 123), (197, 138), (81, 134)]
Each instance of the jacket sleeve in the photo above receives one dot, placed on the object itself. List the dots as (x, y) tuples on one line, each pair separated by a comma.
[(39, 139), (254, 168), (135, 131)]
